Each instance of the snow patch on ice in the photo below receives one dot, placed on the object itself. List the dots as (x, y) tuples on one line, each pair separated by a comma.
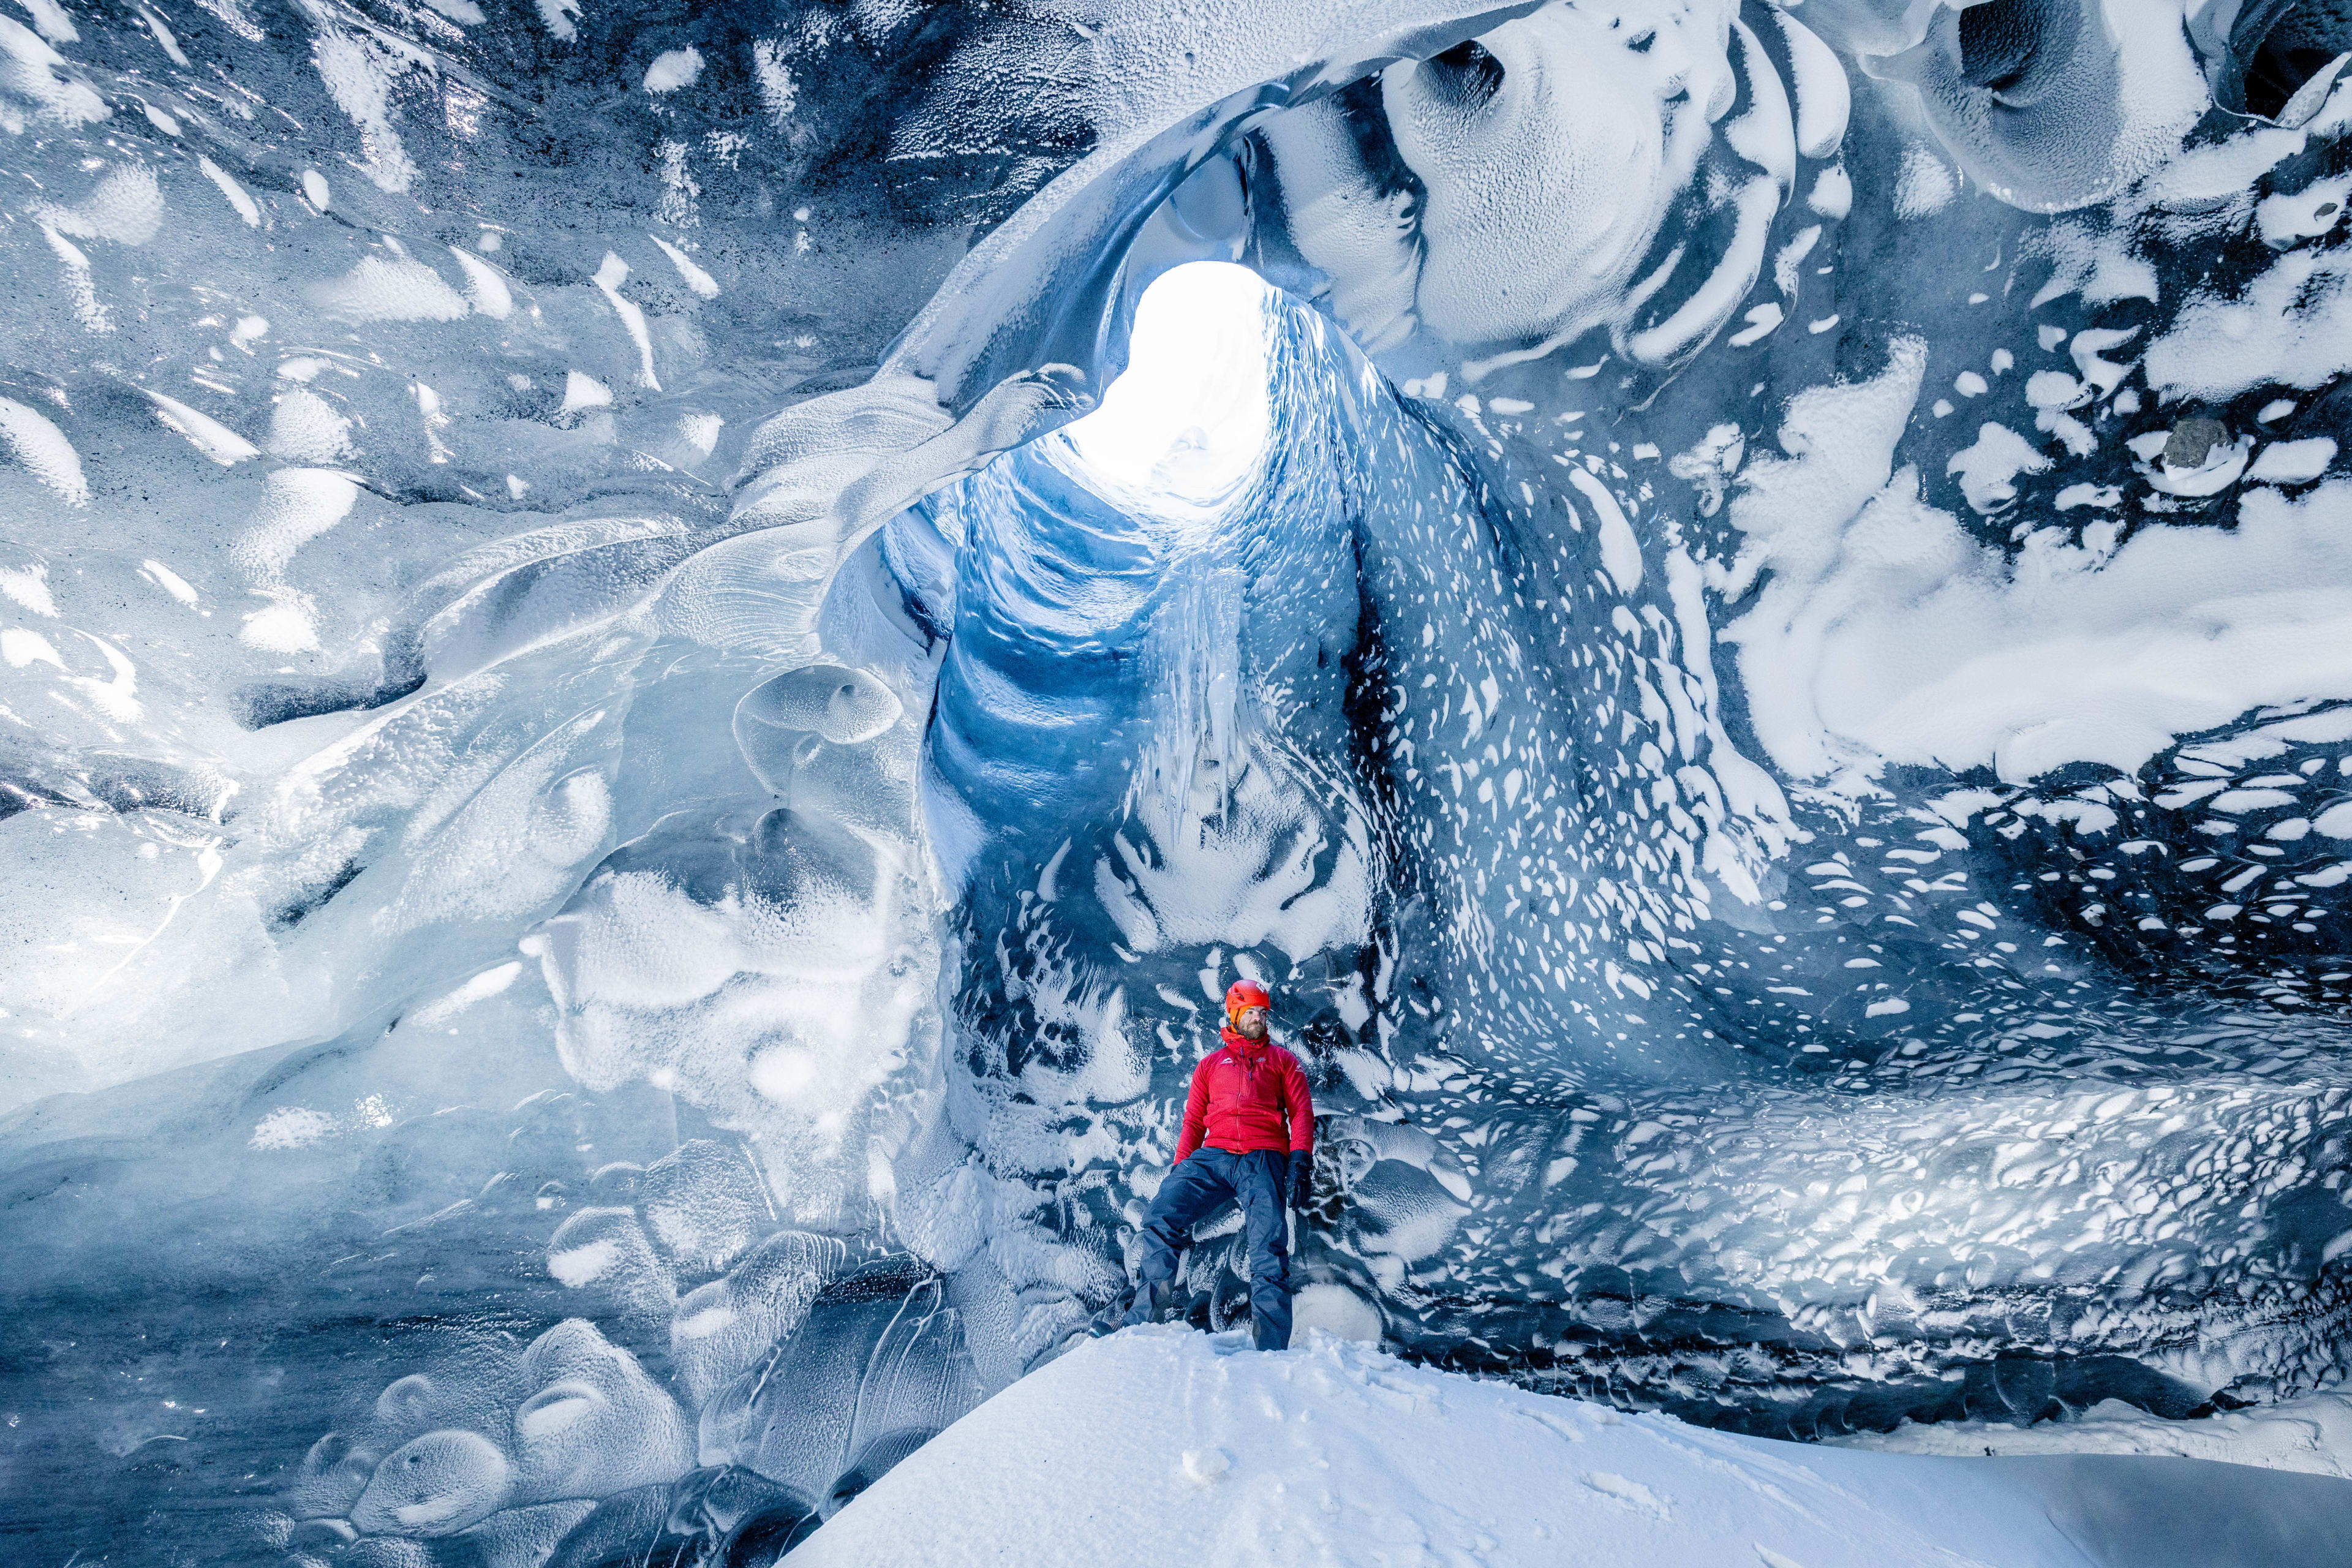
[(1925, 184), (2290, 327), (391, 288), (674, 68), (582, 390), (480, 988), (486, 286), (238, 197), (779, 94), (205, 433), (292, 1126), (1883, 632), (695, 279), (126, 208), (30, 74), (33, 440), (51, 19), (1335, 1310), (358, 75), (611, 273), (305, 429), (171, 581)]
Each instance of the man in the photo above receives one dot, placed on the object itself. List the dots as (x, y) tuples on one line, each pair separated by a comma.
[(1248, 1139)]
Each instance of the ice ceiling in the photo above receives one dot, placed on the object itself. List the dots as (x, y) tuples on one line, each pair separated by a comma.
[(1747, 610)]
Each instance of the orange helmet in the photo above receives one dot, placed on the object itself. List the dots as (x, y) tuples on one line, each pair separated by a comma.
[(1243, 995)]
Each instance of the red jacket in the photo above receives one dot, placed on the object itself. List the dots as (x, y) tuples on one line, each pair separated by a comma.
[(1241, 1094)]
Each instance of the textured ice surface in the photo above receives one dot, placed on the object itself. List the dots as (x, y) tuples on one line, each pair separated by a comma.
[(622, 826)]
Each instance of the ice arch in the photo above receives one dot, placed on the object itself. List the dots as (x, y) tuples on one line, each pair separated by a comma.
[(1492, 998)]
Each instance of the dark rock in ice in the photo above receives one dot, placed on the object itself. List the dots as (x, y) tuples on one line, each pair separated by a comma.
[(2191, 440)]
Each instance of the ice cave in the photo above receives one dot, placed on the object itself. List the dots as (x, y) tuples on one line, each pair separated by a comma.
[(657, 662)]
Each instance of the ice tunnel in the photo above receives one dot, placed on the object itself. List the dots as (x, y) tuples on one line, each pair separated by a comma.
[(656, 664)]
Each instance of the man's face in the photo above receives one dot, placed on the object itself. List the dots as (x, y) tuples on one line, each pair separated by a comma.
[(1252, 1023)]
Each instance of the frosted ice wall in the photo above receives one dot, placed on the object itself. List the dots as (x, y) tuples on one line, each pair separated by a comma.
[(620, 845)]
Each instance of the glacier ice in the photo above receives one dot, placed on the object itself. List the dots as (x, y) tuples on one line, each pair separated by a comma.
[(655, 663)]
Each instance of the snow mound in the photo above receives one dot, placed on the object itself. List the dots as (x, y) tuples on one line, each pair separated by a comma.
[(1168, 1445)]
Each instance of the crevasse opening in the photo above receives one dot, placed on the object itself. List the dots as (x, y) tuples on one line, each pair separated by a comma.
[(1185, 427)]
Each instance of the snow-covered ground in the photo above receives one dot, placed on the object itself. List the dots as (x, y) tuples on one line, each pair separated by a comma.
[(2313, 1435), (1168, 1447)]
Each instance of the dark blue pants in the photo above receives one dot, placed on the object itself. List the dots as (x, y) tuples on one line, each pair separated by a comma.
[(1197, 1188)]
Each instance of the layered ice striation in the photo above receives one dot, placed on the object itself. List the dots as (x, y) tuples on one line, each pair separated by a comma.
[(655, 664)]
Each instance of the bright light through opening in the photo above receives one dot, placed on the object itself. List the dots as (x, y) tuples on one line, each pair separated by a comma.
[(1185, 430)]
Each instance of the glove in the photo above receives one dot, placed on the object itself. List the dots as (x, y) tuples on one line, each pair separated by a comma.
[(1302, 1176)]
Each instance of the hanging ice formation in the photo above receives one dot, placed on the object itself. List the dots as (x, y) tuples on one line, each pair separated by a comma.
[(1747, 611)]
